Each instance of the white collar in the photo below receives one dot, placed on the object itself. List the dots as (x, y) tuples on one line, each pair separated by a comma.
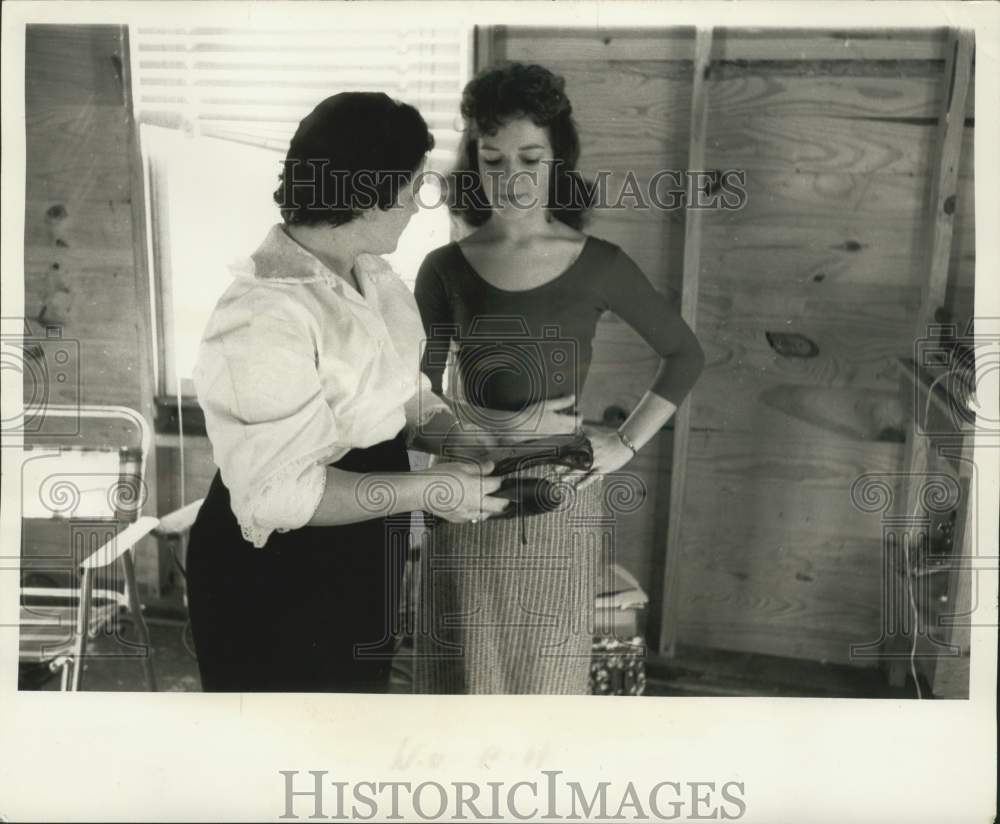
[(280, 259)]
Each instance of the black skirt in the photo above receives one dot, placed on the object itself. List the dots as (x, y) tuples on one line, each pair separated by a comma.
[(314, 610)]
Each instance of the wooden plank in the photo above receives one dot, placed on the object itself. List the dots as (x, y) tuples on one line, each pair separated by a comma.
[(827, 44), (839, 233), (944, 193), (908, 91), (824, 144), (69, 137), (147, 555), (819, 197), (80, 231), (631, 115), (689, 308), (788, 570), (958, 69), (639, 533), (488, 46), (543, 44), (827, 228), (75, 65)]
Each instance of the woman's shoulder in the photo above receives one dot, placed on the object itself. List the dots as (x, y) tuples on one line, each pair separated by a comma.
[(445, 259), (606, 247)]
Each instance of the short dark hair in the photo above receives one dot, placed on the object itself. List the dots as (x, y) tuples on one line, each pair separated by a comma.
[(507, 92), (353, 152)]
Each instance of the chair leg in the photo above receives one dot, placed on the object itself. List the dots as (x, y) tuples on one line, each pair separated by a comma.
[(135, 607), (65, 669), (82, 627)]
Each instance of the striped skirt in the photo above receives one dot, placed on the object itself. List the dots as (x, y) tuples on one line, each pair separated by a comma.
[(506, 606)]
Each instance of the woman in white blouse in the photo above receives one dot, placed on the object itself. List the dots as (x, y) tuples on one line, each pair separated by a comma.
[(309, 378)]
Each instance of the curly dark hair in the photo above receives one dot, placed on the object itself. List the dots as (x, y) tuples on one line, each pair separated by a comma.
[(513, 90), (353, 152)]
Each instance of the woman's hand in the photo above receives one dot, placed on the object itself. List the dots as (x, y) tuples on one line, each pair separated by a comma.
[(541, 419), (459, 491), (610, 455)]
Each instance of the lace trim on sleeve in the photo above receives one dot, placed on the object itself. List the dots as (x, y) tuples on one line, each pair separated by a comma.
[(419, 410), (289, 497)]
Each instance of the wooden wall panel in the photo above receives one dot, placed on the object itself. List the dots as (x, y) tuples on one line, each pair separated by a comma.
[(857, 229), (830, 245), (789, 46), (775, 558), (846, 390), (82, 276), (78, 212)]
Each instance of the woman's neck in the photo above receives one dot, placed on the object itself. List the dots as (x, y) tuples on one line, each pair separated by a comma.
[(331, 245), (522, 229)]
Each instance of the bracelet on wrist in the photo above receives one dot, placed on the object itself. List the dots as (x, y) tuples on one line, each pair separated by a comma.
[(448, 434)]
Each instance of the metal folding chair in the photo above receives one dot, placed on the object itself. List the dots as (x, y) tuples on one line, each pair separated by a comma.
[(83, 473)]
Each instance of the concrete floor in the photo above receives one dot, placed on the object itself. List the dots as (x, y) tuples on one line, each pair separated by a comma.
[(694, 672)]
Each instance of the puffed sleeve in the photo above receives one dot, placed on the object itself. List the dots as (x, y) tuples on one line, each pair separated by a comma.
[(271, 427), (628, 293)]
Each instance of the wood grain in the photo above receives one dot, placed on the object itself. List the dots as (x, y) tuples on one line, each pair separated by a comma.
[(676, 43), (74, 65), (80, 265), (839, 229), (822, 144), (829, 245), (940, 218), (690, 287), (791, 568), (913, 91)]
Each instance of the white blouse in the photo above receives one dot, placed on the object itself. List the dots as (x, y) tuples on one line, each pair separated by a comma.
[(296, 368)]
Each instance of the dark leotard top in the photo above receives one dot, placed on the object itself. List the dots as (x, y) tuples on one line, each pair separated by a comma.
[(519, 347)]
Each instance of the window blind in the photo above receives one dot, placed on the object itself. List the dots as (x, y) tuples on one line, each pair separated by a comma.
[(254, 86)]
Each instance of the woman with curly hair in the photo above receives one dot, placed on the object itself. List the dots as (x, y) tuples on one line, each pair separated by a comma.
[(508, 603), (306, 374)]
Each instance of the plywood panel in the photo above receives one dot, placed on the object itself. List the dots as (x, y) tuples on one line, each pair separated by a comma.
[(639, 532), (76, 141), (830, 245), (778, 560), (640, 108), (74, 64), (846, 389), (80, 269), (604, 44), (822, 144), (905, 92), (857, 229)]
